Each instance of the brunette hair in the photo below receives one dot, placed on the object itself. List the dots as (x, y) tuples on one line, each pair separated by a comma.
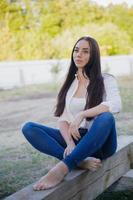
[(92, 70)]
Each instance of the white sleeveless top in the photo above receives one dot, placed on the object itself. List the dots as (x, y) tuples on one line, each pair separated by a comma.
[(77, 104)]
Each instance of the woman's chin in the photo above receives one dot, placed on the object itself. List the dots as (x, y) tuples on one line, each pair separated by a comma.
[(79, 66)]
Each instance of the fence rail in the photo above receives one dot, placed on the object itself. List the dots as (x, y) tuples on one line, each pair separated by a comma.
[(20, 73)]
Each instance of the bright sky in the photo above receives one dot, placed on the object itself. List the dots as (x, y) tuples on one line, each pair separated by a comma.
[(106, 2)]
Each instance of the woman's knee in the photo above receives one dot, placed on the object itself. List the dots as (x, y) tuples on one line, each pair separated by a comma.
[(106, 116), (112, 151), (27, 128)]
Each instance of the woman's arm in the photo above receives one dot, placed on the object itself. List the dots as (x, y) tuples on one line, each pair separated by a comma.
[(64, 127), (92, 112), (112, 97), (112, 102)]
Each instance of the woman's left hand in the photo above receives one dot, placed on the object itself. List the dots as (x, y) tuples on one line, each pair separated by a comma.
[(73, 127)]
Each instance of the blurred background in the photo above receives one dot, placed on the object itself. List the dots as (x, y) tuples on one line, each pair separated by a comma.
[(36, 39), (37, 36)]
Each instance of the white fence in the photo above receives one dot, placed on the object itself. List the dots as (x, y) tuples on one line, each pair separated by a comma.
[(17, 74)]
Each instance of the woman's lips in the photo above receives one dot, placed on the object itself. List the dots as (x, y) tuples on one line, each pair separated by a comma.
[(78, 61)]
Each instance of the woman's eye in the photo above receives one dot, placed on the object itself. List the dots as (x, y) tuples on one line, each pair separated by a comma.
[(85, 52)]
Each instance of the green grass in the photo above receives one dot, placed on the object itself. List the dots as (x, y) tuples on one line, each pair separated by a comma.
[(22, 167), (28, 91), (126, 91)]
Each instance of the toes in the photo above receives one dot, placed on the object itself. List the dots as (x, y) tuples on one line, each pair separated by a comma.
[(42, 186), (95, 166), (37, 186), (96, 160)]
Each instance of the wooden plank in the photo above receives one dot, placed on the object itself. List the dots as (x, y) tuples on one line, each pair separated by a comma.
[(124, 183), (82, 184), (95, 183), (131, 155)]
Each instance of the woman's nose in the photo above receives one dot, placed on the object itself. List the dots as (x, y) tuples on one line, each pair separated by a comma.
[(79, 53)]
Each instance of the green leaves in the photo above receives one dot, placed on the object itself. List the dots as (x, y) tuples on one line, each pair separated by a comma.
[(48, 29)]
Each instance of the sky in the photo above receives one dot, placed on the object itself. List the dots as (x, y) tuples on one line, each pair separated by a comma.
[(106, 2)]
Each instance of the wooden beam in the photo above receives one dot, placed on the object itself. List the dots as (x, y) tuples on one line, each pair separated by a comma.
[(82, 184), (124, 183), (131, 155)]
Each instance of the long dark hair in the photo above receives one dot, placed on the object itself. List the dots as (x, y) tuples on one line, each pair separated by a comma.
[(92, 70)]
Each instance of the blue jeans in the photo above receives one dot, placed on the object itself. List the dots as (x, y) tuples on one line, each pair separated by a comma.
[(100, 141)]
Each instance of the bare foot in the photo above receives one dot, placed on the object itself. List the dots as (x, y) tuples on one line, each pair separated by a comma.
[(52, 178), (91, 163)]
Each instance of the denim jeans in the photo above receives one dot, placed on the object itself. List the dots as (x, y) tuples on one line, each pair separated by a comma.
[(99, 142)]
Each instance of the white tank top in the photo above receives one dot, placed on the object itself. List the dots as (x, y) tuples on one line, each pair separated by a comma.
[(77, 105)]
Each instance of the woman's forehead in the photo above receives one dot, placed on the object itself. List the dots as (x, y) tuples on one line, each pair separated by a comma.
[(82, 44)]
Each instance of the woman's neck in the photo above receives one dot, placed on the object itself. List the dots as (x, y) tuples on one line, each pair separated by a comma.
[(80, 76)]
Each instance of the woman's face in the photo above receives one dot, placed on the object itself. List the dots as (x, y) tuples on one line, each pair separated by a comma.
[(81, 53)]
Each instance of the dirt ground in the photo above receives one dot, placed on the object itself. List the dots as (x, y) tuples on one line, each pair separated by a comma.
[(13, 114)]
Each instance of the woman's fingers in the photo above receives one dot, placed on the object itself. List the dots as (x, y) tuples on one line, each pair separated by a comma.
[(74, 132), (76, 135), (65, 152)]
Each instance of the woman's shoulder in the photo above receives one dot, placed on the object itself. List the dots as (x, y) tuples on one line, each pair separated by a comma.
[(109, 80), (108, 77)]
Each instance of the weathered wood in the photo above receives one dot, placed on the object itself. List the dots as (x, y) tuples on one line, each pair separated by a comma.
[(131, 155), (82, 184), (96, 183), (124, 183)]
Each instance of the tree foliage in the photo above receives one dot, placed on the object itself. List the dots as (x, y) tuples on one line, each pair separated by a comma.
[(43, 29)]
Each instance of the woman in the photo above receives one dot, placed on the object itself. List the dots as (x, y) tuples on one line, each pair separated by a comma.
[(85, 104)]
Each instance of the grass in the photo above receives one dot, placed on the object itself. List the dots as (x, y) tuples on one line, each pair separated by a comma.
[(126, 90), (16, 165), (21, 165), (37, 90)]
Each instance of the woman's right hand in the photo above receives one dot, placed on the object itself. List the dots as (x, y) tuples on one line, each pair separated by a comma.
[(70, 147)]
